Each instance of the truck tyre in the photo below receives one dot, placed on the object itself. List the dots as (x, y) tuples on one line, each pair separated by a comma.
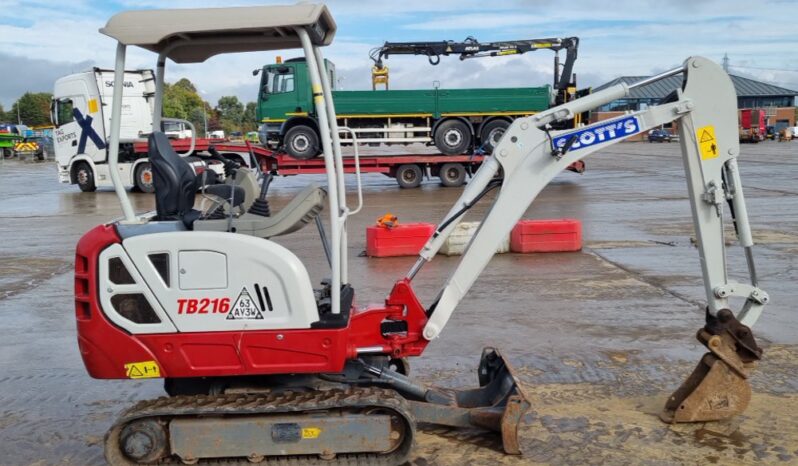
[(143, 179), (301, 142), (492, 133), (7, 153), (453, 137), (452, 175), (409, 176), (84, 176)]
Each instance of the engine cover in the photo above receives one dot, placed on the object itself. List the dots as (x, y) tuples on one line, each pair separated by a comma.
[(194, 281)]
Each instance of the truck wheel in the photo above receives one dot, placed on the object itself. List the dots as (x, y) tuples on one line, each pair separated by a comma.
[(8, 153), (452, 137), (409, 176), (143, 178), (302, 142), (492, 133), (84, 175), (452, 175)]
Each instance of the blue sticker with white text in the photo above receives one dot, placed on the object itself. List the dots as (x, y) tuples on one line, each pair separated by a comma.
[(601, 132)]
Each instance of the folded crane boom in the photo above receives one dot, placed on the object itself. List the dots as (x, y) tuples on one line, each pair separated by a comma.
[(472, 48)]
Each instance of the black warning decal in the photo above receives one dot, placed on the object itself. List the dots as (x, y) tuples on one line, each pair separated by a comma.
[(244, 308)]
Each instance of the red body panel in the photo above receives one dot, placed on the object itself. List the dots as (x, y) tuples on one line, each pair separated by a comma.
[(560, 235), (405, 239), (105, 348)]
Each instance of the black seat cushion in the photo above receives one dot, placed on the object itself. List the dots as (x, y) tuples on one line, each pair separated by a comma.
[(226, 191), (174, 181)]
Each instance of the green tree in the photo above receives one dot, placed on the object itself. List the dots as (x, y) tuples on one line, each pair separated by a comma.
[(33, 109), (180, 100), (250, 117), (231, 113), (187, 85)]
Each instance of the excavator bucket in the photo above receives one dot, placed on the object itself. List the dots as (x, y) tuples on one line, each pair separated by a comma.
[(499, 404), (718, 387)]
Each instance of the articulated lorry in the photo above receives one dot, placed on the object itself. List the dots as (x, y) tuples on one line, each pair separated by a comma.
[(455, 121), (80, 112)]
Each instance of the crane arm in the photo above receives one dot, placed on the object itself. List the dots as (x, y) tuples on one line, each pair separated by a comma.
[(531, 155), (472, 48)]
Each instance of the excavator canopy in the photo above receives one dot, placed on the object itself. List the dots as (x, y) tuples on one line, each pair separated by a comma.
[(195, 34)]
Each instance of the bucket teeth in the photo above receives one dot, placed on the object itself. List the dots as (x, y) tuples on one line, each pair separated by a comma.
[(718, 388)]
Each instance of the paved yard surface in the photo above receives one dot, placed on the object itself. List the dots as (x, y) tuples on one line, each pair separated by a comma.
[(600, 337)]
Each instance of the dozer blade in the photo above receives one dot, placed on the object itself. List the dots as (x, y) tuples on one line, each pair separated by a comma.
[(718, 387), (499, 404)]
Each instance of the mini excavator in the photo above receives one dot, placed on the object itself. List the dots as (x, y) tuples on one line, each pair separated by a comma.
[(261, 366)]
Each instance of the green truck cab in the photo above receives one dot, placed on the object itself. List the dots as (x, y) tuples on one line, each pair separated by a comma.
[(455, 121)]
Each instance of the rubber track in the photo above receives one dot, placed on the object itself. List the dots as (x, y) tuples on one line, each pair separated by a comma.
[(268, 403)]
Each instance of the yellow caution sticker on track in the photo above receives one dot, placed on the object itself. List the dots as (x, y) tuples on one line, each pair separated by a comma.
[(142, 370), (93, 106), (707, 142), (311, 432)]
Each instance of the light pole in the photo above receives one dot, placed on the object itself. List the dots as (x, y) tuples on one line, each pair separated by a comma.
[(204, 114), (205, 119)]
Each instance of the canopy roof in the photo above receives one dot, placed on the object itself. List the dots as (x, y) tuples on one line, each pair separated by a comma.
[(196, 34)]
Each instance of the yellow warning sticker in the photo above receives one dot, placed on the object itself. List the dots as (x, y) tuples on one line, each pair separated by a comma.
[(310, 432), (707, 142), (142, 370), (93, 106)]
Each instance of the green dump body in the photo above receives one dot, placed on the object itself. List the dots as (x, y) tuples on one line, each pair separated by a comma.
[(7, 140), (286, 93), (441, 102)]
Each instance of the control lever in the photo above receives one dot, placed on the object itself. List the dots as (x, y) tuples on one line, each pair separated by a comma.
[(261, 205), (229, 165)]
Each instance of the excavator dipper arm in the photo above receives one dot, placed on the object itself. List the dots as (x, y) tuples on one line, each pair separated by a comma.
[(531, 156)]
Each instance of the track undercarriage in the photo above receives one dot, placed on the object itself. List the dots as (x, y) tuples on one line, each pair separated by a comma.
[(361, 419)]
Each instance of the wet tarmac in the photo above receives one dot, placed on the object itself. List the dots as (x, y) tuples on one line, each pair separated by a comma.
[(600, 337)]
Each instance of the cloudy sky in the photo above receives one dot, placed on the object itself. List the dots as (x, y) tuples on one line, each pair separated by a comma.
[(45, 39)]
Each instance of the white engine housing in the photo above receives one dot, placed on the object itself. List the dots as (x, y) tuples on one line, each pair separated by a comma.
[(267, 288)]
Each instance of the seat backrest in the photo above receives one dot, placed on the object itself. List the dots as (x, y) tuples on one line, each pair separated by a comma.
[(173, 178)]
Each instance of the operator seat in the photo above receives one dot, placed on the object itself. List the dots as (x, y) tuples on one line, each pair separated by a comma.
[(174, 180)]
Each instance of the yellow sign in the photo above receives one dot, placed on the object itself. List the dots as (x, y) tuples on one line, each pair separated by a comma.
[(93, 107), (707, 142), (310, 432), (26, 147), (142, 370)]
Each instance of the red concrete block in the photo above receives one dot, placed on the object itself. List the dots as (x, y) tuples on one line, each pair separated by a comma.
[(405, 239), (560, 235)]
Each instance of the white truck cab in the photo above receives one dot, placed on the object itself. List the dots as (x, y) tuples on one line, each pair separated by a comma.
[(81, 114)]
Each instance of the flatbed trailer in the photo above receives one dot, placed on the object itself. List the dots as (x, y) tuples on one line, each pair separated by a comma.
[(409, 170)]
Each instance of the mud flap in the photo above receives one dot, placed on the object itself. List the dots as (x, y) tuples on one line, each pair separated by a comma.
[(718, 387)]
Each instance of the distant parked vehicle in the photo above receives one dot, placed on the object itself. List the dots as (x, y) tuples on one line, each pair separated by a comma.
[(659, 135), (770, 132)]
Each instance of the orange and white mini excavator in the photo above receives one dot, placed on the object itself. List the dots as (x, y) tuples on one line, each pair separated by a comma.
[(260, 366)]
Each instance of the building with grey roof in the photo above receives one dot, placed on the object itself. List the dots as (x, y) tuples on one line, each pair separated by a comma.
[(778, 102), (750, 93)]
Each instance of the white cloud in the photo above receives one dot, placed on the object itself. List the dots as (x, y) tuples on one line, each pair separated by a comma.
[(623, 37)]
